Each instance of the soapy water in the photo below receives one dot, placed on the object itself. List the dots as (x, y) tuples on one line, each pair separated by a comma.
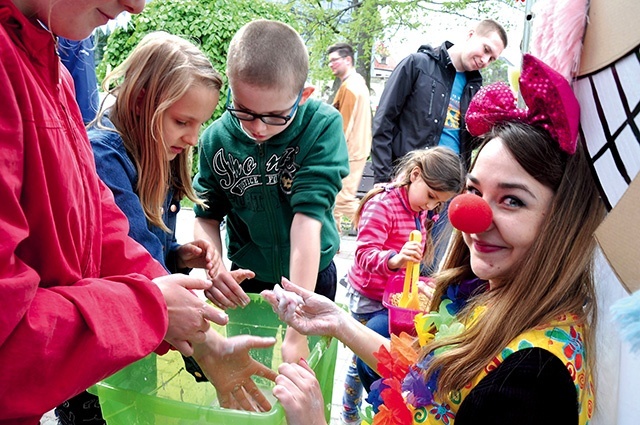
[(158, 389), (175, 383), (267, 392)]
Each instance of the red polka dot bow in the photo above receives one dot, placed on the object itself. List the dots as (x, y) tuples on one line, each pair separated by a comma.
[(550, 102)]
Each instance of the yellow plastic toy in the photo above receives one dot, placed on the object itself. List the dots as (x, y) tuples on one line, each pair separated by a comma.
[(409, 297)]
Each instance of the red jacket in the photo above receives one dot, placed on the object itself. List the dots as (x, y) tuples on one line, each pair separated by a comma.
[(71, 310)]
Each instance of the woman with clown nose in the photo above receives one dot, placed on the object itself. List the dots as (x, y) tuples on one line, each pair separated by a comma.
[(510, 336)]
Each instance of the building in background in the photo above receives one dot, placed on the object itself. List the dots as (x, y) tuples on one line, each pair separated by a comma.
[(382, 65)]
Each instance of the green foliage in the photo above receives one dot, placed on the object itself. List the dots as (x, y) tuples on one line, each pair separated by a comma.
[(210, 24), (186, 203), (365, 28), (357, 22), (496, 71)]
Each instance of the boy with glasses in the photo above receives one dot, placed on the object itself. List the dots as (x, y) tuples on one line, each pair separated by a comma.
[(272, 165)]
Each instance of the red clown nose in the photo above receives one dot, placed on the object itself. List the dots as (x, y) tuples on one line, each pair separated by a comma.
[(470, 213)]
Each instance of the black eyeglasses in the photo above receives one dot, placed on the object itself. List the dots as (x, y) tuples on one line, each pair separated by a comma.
[(268, 119)]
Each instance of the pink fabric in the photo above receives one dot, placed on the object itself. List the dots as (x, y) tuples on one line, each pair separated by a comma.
[(548, 96), (71, 310), (384, 228), (558, 29)]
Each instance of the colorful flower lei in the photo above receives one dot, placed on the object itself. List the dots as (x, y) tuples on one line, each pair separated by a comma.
[(402, 380)]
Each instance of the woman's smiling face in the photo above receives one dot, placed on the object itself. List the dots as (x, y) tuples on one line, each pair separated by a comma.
[(519, 203), (76, 19)]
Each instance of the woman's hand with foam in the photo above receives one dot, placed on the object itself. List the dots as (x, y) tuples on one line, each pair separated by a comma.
[(303, 310)]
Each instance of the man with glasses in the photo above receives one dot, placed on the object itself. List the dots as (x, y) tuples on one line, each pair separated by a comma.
[(272, 165), (352, 100)]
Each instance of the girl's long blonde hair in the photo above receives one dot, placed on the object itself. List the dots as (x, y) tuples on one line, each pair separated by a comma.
[(552, 279), (439, 167), (157, 73)]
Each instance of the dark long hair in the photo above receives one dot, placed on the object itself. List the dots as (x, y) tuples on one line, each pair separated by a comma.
[(554, 278)]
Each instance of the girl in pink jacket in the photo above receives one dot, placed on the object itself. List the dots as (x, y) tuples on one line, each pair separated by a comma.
[(426, 180)]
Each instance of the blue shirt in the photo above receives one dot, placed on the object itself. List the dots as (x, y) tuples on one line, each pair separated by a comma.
[(118, 172), (78, 58), (451, 132)]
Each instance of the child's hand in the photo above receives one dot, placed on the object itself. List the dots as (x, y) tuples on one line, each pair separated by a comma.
[(318, 315), (411, 251), (228, 366), (426, 287), (188, 315), (199, 254), (298, 390), (226, 291)]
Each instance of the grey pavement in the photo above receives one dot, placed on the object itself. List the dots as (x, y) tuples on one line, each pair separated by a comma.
[(184, 233)]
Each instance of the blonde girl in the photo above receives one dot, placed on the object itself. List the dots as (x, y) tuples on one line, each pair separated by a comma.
[(75, 289), (164, 92)]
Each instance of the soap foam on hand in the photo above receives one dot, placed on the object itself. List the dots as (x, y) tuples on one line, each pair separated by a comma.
[(287, 301)]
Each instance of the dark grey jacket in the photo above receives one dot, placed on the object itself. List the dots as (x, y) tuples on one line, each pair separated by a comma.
[(413, 108)]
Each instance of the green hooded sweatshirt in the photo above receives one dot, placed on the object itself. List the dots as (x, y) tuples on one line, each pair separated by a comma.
[(259, 187)]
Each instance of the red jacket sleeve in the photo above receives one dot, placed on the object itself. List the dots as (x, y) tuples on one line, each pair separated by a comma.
[(76, 299)]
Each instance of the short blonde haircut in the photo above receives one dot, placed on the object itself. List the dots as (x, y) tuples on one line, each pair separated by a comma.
[(268, 54), (157, 73), (487, 26)]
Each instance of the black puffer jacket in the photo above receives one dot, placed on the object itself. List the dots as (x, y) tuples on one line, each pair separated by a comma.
[(413, 108)]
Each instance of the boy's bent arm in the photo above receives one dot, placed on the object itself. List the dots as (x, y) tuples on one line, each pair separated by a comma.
[(225, 291), (304, 263)]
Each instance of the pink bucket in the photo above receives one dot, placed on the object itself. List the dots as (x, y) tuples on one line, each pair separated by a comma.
[(400, 319)]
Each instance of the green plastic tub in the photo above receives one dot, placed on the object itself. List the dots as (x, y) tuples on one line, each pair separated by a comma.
[(158, 389)]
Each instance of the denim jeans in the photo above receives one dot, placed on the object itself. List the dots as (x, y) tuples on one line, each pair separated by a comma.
[(353, 383), (379, 324)]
